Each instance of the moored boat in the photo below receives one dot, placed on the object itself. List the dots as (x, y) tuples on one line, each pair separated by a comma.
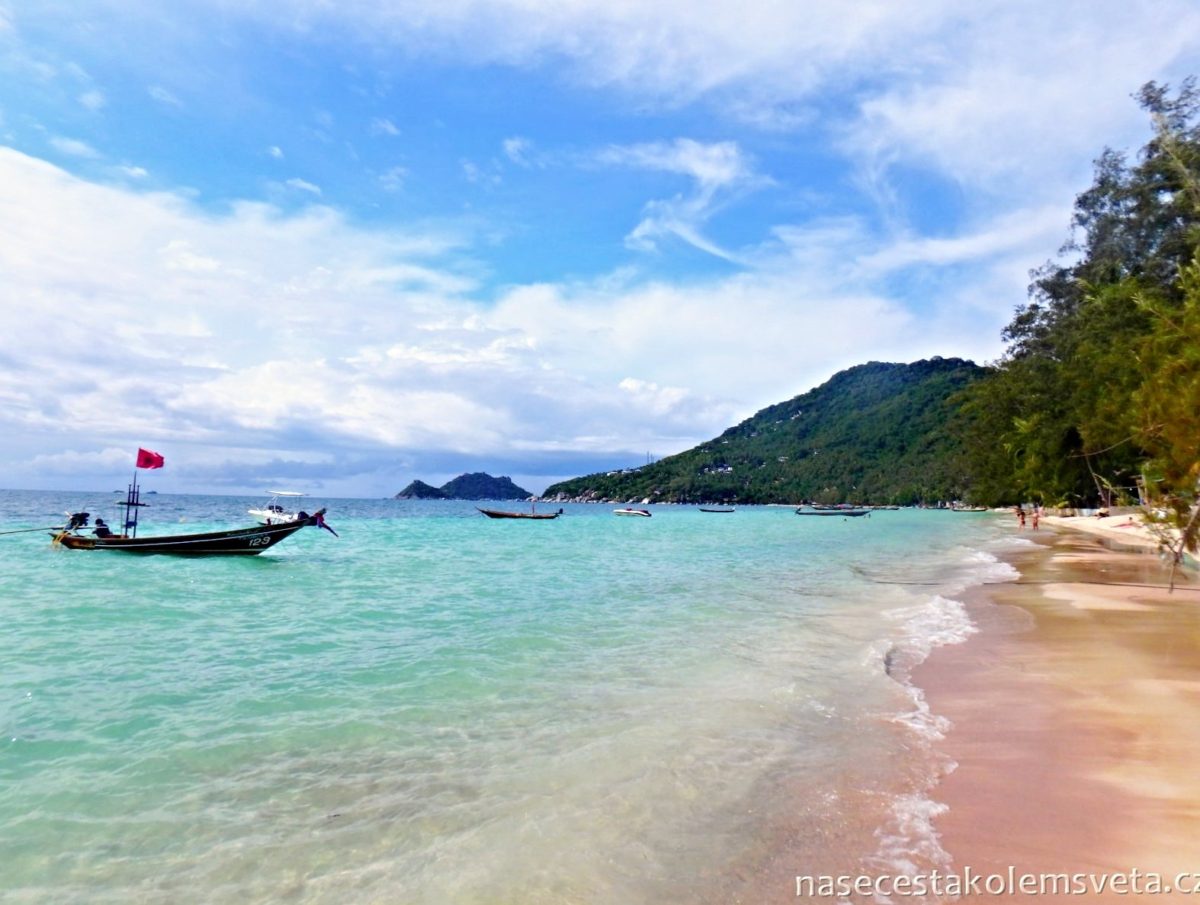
[(848, 513), (236, 541), (643, 513), (272, 512), (713, 509), (504, 513)]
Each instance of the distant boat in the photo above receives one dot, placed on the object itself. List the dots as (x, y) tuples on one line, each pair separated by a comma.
[(644, 513), (968, 508), (503, 513), (272, 512), (834, 511), (708, 509)]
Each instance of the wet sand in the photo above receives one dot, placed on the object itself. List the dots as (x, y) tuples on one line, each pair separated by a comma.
[(1076, 720)]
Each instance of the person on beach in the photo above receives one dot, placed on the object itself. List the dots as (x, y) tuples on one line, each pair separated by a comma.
[(1035, 515), (1020, 517)]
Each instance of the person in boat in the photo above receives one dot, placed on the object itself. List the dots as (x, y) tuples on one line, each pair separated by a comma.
[(101, 529)]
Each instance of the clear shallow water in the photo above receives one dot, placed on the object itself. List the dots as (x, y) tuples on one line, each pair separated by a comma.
[(437, 707)]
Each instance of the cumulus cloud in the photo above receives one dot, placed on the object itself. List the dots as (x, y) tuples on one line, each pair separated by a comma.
[(257, 334)]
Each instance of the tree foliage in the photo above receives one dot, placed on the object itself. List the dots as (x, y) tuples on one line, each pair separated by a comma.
[(1060, 419), (1168, 404)]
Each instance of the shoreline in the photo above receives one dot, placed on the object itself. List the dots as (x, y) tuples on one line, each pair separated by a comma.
[(1075, 714)]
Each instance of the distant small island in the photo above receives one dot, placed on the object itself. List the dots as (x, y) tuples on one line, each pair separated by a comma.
[(474, 486)]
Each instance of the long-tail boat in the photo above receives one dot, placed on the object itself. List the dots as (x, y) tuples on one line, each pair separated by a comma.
[(848, 513), (241, 541), (504, 513), (236, 541)]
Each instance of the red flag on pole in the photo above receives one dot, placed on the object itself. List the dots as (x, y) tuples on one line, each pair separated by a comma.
[(148, 459)]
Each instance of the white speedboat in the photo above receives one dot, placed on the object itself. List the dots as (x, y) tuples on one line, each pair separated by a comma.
[(281, 506), (644, 513)]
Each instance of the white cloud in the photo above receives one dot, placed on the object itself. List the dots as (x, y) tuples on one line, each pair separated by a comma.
[(718, 170), (659, 401), (73, 147), (481, 174), (179, 255), (1028, 232), (93, 100), (163, 96), (383, 126), (302, 332), (983, 92), (393, 178), (275, 151), (70, 462), (517, 150), (713, 166), (302, 185)]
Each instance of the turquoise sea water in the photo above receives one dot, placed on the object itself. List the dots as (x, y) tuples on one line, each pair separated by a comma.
[(436, 707)]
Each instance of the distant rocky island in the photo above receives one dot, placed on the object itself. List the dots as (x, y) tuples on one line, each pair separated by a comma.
[(475, 486)]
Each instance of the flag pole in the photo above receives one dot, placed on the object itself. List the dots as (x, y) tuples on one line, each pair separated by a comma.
[(131, 502), (145, 459)]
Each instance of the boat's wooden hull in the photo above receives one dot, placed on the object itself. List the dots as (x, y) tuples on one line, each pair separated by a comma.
[(703, 509), (237, 542), (503, 513)]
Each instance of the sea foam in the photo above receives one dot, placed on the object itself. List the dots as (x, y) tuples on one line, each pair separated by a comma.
[(908, 841)]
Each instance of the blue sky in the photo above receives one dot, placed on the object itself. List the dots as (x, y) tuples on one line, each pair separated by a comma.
[(336, 247)]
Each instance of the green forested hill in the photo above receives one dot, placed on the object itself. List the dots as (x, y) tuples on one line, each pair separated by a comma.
[(875, 433)]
